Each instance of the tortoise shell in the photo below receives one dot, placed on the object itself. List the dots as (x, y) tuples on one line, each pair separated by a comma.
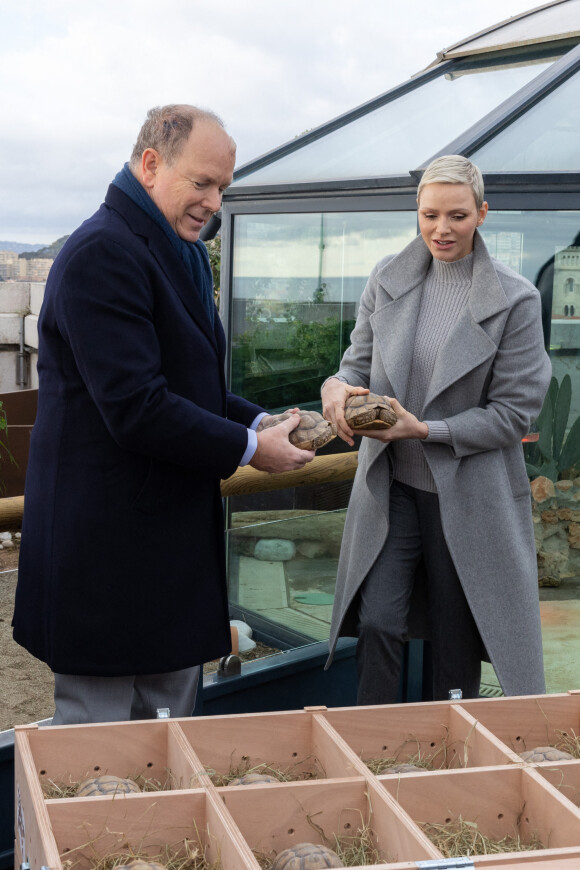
[(253, 779), (404, 767), (141, 864), (545, 753), (369, 412), (306, 856), (106, 784), (312, 432)]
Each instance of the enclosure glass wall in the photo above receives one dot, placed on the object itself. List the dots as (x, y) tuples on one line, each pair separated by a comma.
[(296, 285), (297, 280)]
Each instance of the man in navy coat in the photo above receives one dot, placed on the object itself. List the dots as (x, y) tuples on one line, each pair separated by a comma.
[(122, 587)]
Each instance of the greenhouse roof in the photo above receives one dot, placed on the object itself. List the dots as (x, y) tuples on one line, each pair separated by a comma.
[(507, 96), (552, 22)]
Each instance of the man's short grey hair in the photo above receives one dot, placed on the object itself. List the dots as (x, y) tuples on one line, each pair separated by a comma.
[(167, 129), (454, 169)]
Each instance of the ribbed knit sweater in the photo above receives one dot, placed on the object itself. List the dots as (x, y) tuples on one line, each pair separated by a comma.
[(444, 294)]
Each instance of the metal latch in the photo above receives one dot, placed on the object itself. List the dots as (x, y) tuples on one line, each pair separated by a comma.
[(229, 666), (163, 713), (447, 863), (455, 695)]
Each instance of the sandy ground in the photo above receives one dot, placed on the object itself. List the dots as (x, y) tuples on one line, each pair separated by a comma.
[(26, 685)]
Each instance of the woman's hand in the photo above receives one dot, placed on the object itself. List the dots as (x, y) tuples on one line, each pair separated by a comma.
[(334, 395), (407, 426)]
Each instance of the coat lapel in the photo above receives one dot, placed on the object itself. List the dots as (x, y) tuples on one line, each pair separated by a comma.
[(468, 344), (165, 255), (394, 320)]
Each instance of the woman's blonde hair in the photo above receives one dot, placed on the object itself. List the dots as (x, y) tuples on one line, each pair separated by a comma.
[(454, 169)]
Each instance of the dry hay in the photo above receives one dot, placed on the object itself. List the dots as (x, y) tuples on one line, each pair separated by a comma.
[(186, 854), (569, 741), (460, 838), (60, 788), (285, 774), (355, 850), (435, 760)]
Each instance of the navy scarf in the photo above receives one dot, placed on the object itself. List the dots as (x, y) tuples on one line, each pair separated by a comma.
[(193, 254)]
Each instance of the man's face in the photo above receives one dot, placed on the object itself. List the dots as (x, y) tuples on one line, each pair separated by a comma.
[(190, 190)]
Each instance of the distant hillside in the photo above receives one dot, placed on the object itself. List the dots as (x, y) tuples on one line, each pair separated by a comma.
[(18, 247), (49, 252)]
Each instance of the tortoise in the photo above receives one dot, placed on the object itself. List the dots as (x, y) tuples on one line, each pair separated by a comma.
[(106, 784), (404, 767), (369, 412), (312, 432), (545, 753), (253, 779), (306, 856), (141, 864)]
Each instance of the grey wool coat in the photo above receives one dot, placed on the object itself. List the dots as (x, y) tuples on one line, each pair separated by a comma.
[(488, 384)]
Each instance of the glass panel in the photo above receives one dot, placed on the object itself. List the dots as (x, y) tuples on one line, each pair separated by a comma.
[(545, 138), (402, 134), (297, 281), (285, 572), (545, 247)]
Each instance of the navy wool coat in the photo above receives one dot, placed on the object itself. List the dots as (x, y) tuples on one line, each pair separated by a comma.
[(122, 567)]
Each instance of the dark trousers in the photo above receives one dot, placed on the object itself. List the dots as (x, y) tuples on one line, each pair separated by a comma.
[(415, 533)]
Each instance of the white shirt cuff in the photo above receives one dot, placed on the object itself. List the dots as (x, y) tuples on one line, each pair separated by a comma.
[(252, 439)]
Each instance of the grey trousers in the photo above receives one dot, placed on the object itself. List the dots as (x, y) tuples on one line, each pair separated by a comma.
[(80, 700), (415, 533)]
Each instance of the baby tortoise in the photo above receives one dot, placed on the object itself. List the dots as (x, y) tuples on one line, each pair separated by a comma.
[(312, 432), (253, 779), (106, 784), (545, 753), (141, 864), (369, 412), (306, 856)]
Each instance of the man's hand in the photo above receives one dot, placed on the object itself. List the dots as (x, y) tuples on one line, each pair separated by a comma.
[(407, 426), (275, 453), (334, 395)]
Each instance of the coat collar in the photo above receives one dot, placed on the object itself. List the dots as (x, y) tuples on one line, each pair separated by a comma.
[(160, 247), (400, 282)]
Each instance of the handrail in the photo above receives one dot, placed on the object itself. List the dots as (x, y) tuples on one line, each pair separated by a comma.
[(323, 469)]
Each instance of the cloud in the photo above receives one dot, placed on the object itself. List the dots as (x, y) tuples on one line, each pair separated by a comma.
[(79, 78)]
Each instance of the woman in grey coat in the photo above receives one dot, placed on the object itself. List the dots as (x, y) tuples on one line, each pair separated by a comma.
[(438, 540)]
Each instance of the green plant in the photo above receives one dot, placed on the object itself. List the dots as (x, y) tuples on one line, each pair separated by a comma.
[(322, 344), (556, 449)]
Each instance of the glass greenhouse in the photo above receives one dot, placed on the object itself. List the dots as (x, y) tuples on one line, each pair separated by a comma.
[(302, 228)]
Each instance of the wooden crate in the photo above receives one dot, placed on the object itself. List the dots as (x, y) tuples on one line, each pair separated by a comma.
[(291, 745), (479, 777), (438, 735)]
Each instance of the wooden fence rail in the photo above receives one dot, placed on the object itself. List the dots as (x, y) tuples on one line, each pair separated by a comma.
[(323, 469)]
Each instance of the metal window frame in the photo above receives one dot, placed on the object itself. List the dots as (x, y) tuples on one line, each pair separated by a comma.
[(492, 124)]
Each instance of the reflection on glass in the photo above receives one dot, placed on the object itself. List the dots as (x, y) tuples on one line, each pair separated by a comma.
[(297, 282), (399, 135), (545, 138), (545, 247), (283, 571), (302, 276)]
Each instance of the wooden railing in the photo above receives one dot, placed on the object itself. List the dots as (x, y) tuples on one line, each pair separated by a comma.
[(323, 469)]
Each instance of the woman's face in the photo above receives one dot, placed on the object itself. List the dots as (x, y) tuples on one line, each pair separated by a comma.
[(448, 217)]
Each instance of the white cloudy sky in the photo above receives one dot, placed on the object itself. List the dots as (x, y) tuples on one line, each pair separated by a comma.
[(78, 78)]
